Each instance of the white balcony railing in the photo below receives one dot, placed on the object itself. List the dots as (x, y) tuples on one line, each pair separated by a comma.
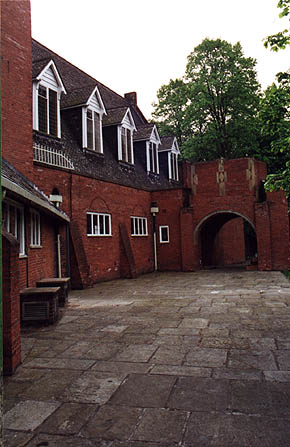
[(52, 157)]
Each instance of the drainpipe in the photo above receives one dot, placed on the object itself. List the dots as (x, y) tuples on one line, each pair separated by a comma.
[(154, 210), (58, 256)]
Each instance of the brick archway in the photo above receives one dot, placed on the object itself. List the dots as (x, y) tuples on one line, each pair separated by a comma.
[(224, 238)]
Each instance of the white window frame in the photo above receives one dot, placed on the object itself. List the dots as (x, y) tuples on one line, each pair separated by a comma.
[(155, 167), (139, 226), (96, 228), (52, 83), (20, 237), (163, 241), (128, 145), (171, 174), (35, 107), (35, 229), (99, 150)]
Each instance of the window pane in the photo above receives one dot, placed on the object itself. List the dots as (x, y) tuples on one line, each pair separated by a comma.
[(132, 225), (124, 144), (96, 224), (129, 146), (42, 113), (97, 132), (90, 136), (102, 227), (89, 224), (107, 225), (53, 113), (164, 234)]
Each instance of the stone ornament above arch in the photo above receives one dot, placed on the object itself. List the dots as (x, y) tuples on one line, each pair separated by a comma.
[(251, 174), (204, 219), (221, 177)]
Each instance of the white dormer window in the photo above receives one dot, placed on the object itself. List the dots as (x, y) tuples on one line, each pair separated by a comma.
[(125, 139), (152, 152), (92, 135), (173, 165), (47, 91), (93, 113)]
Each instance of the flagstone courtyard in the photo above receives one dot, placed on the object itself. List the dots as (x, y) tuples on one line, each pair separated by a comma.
[(164, 360)]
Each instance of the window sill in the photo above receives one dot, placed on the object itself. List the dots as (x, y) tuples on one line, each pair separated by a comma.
[(139, 235), (36, 246), (99, 235), (94, 152)]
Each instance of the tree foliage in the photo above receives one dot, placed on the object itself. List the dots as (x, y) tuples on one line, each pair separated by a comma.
[(213, 108), (275, 114), (280, 40)]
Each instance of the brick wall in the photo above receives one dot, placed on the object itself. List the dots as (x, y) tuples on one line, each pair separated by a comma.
[(229, 245), (170, 204), (16, 85), (103, 254), (11, 304)]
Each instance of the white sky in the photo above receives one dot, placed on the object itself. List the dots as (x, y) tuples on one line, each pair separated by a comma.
[(134, 45)]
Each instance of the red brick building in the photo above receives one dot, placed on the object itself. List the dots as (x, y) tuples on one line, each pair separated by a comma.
[(111, 199)]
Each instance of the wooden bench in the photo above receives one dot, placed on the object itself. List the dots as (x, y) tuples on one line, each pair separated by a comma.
[(63, 283), (39, 304)]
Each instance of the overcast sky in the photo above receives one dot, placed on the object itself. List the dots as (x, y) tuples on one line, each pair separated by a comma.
[(133, 45)]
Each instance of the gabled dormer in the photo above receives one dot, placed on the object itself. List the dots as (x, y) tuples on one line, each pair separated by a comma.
[(92, 117), (122, 119), (47, 90), (168, 153), (149, 134)]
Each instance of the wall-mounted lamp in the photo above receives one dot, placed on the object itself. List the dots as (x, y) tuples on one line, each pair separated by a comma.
[(154, 208), (56, 199)]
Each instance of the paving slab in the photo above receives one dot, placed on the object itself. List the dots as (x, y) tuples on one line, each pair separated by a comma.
[(111, 422), (164, 360), (140, 390), (28, 415), (161, 425)]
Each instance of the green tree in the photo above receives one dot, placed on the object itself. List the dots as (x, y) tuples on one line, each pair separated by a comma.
[(280, 40), (275, 116), (214, 107)]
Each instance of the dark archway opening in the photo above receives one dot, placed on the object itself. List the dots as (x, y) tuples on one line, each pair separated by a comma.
[(227, 239)]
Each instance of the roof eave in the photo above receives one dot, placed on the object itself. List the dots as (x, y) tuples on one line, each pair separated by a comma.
[(11, 186)]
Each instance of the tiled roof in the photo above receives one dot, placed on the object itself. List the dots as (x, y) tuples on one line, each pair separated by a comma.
[(143, 132), (106, 166), (166, 143), (114, 116), (77, 97)]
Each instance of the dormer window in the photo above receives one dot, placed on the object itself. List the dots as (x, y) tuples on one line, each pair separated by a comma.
[(47, 90), (153, 158), (127, 145), (93, 131), (92, 114), (125, 131)]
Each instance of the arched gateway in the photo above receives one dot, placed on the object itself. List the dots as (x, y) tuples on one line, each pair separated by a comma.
[(223, 216), (234, 220)]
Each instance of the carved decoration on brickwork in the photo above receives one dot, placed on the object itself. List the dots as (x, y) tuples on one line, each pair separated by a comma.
[(194, 180), (251, 174), (221, 177)]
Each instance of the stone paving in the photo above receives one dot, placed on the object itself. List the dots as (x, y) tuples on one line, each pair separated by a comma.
[(166, 360)]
